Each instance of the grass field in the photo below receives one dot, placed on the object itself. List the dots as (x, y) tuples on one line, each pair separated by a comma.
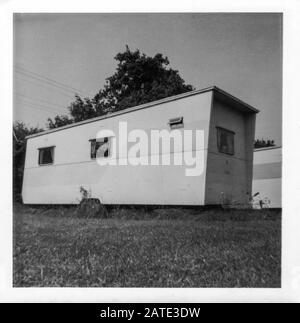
[(147, 248)]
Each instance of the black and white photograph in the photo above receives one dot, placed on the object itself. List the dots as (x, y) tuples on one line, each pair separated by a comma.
[(146, 152)]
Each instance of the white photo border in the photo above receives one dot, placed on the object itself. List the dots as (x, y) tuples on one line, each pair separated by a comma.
[(290, 290)]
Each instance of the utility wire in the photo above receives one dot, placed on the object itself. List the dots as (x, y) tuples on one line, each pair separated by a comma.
[(39, 101), (40, 107), (20, 99), (32, 81), (48, 80), (24, 70), (15, 136), (35, 108)]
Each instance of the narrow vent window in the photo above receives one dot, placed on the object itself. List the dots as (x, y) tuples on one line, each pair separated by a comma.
[(176, 123)]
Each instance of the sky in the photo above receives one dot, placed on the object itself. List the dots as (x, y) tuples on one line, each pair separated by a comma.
[(57, 55)]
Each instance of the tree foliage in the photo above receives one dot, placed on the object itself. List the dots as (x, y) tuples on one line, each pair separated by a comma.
[(261, 143), (20, 131), (138, 79), (59, 121)]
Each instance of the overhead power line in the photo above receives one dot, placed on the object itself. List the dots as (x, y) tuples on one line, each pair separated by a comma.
[(15, 136), (47, 82), (50, 81), (26, 71), (36, 82), (39, 101), (40, 107), (35, 108)]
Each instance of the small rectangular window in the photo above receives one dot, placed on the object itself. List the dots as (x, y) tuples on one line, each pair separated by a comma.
[(225, 141), (100, 148), (46, 155), (176, 123)]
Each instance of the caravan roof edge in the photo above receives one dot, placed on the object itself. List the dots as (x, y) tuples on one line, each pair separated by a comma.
[(267, 148), (246, 106)]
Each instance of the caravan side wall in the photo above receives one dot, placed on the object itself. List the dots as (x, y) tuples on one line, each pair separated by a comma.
[(60, 182), (267, 176), (229, 177)]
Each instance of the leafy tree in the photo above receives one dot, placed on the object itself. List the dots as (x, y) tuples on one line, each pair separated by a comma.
[(261, 143), (138, 79), (59, 121), (20, 131)]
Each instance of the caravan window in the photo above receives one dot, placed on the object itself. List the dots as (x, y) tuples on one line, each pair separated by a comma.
[(225, 141), (46, 155), (100, 147)]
